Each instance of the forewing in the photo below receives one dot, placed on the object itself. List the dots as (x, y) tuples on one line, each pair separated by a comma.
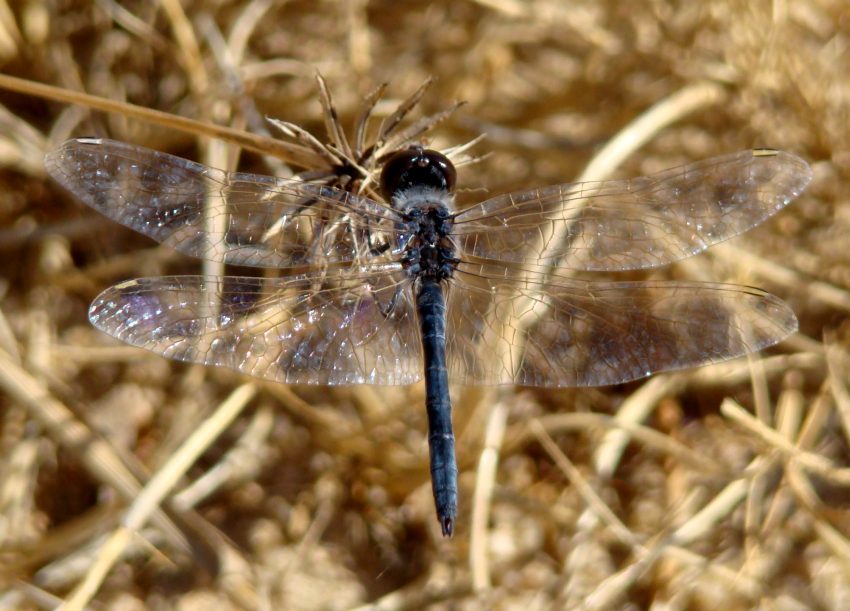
[(237, 218), (298, 330), (594, 334), (634, 224)]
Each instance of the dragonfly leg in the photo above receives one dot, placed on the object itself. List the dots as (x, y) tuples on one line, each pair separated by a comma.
[(387, 309)]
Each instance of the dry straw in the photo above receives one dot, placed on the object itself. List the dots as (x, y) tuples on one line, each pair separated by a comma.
[(130, 480)]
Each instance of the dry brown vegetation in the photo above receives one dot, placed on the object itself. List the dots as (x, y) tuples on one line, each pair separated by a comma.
[(723, 487)]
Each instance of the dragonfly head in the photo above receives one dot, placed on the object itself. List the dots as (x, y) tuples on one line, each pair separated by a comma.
[(417, 167)]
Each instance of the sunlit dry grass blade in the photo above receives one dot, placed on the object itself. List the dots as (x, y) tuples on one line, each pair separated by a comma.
[(21, 145), (387, 144), (363, 120), (485, 483), (150, 498), (391, 123), (99, 457), (332, 124), (297, 155), (308, 140)]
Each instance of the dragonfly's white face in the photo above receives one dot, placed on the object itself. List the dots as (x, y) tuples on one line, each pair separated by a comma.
[(423, 197)]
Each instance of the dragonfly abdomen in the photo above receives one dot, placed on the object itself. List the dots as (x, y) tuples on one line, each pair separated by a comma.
[(431, 309)]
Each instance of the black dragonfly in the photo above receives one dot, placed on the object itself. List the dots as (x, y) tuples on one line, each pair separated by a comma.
[(389, 293)]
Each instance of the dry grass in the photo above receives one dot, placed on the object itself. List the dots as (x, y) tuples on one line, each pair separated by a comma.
[(720, 487)]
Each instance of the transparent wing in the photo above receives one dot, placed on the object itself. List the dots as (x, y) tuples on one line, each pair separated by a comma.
[(574, 333), (291, 330), (638, 223), (237, 218)]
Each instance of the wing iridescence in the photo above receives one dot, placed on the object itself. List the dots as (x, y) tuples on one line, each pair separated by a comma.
[(361, 330), (573, 333), (515, 315), (233, 217), (638, 223)]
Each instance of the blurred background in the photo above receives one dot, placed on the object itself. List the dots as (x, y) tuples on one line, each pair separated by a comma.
[(725, 485)]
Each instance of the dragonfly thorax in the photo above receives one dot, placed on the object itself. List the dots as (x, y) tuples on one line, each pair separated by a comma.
[(431, 252), (419, 183)]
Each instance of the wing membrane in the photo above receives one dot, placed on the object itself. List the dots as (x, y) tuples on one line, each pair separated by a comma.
[(639, 223), (252, 220), (574, 333), (357, 324), (361, 331)]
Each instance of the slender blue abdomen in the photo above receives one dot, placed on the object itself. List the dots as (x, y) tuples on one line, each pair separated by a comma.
[(431, 307)]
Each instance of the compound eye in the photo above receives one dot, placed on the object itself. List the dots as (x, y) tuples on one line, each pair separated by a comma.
[(415, 168), (395, 169), (446, 167)]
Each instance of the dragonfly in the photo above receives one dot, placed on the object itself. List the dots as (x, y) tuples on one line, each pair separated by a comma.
[(355, 290)]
